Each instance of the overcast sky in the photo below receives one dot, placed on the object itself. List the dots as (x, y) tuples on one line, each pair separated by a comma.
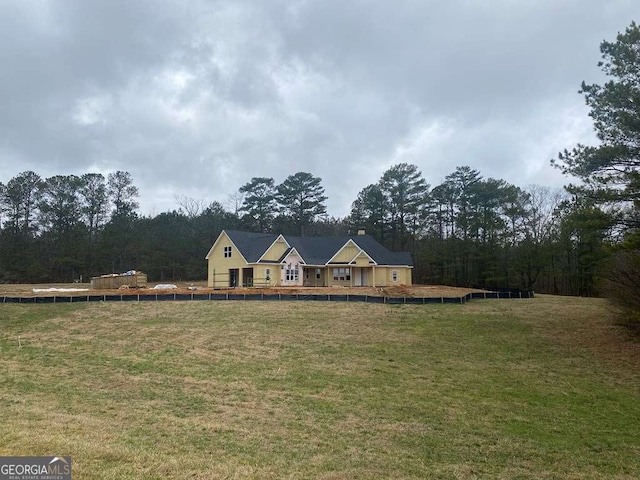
[(196, 97)]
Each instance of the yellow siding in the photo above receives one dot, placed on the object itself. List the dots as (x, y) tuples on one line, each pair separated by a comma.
[(221, 265), (407, 273), (275, 251), (313, 281), (346, 254), (362, 260), (384, 276), (381, 276), (260, 275), (324, 277), (336, 283)]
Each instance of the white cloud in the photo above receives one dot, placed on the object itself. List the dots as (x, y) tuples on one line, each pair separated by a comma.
[(197, 97)]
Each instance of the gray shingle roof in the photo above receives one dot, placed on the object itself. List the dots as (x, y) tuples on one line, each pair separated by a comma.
[(251, 245), (380, 254), (316, 250)]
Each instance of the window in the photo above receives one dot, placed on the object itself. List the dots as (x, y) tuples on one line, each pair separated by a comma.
[(227, 252), (342, 274), (291, 273), (267, 274), (318, 273), (394, 276)]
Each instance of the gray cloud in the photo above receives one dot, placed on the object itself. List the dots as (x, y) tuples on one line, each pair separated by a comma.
[(195, 98)]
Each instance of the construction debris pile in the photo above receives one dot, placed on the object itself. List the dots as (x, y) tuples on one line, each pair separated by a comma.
[(128, 279)]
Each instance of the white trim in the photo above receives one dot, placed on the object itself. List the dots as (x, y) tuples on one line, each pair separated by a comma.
[(228, 238), (293, 249), (340, 249), (358, 254), (272, 244), (348, 271), (370, 257)]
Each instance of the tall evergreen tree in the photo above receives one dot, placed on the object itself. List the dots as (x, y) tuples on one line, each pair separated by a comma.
[(407, 196), (460, 185), (94, 201), (60, 207), (20, 200), (301, 198), (370, 211), (611, 171), (259, 204), (123, 194), (63, 238)]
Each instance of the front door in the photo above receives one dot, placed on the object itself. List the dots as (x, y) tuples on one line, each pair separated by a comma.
[(357, 277)]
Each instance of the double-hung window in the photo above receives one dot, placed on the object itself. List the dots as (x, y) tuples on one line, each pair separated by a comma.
[(341, 274)]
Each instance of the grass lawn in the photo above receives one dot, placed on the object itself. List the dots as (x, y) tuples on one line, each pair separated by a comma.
[(541, 388)]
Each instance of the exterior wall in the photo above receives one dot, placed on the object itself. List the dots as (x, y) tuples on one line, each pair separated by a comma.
[(313, 280), (294, 261), (380, 276), (346, 254), (361, 276), (384, 276), (221, 265), (362, 260), (275, 251), (404, 275), (260, 275), (339, 283)]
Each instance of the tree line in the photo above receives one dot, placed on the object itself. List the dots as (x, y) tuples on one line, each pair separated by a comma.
[(467, 231)]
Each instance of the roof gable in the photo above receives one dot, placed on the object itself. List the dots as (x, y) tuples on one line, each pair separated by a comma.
[(320, 250), (224, 236), (272, 246), (314, 250), (317, 250), (348, 244), (289, 252), (251, 245), (380, 254), (364, 254)]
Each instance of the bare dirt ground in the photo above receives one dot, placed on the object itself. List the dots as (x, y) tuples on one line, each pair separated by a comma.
[(26, 290)]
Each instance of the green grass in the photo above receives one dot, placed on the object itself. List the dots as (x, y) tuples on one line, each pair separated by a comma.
[(540, 388)]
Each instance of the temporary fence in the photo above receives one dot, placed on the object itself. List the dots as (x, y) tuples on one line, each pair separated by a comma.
[(143, 297)]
